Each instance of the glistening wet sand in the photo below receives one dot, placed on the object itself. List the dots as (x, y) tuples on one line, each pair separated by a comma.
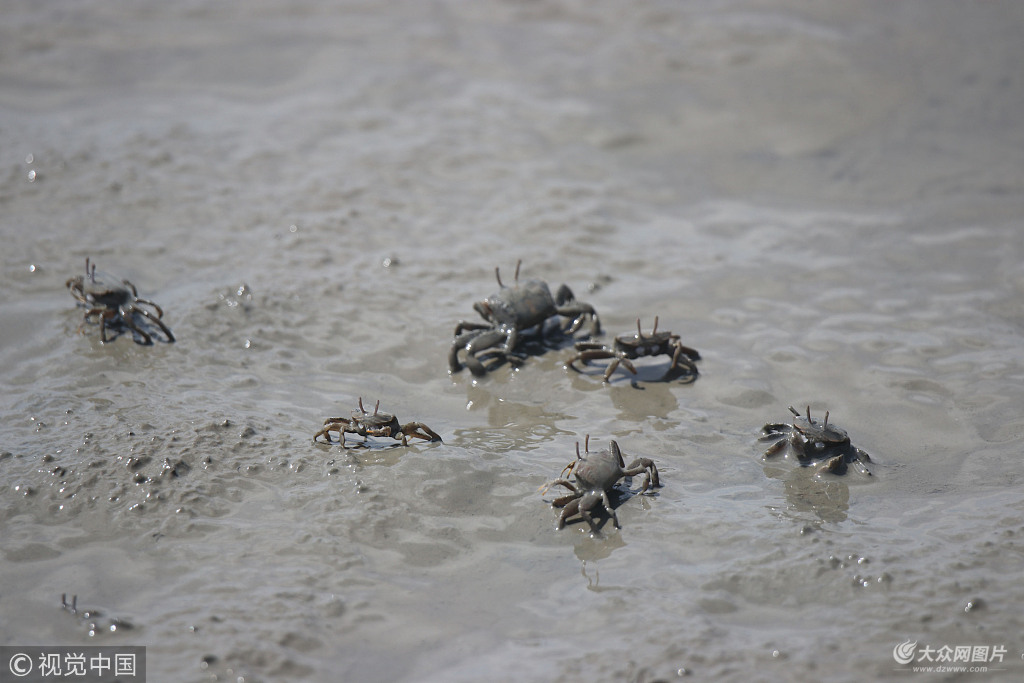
[(826, 202)]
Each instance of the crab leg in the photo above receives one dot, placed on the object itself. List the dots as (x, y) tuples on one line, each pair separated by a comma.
[(564, 500), (861, 458), (558, 482), (600, 352), (156, 307), (691, 353), (159, 323), (420, 431), (589, 351), (615, 364), (580, 311), (104, 316), (680, 357), (98, 312), (773, 430), (135, 294), (462, 341), (588, 501), (776, 447), (589, 345), (129, 321), (572, 506), (335, 424), (464, 325), (483, 342), (640, 466)]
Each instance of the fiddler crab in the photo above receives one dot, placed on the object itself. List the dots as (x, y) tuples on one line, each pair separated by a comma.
[(815, 442), (114, 303), (363, 423), (633, 346), (94, 619), (510, 311), (596, 474)]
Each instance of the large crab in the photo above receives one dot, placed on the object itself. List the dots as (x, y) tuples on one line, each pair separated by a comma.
[(376, 423), (510, 311), (632, 346), (815, 442), (596, 474), (115, 303)]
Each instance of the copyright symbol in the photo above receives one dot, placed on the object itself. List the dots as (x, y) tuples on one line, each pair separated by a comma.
[(21, 664)]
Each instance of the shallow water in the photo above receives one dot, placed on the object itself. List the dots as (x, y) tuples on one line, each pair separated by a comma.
[(824, 201)]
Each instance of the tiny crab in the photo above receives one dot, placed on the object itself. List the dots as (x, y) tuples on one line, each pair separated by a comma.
[(374, 424), (632, 346), (510, 311), (114, 303), (596, 474), (93, 619), (815, 442)]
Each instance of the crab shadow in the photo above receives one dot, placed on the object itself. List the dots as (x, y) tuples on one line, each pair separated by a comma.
[(632, 401), (646, 374), (589, 548), (369, 452), (117, 329), (826, 496)]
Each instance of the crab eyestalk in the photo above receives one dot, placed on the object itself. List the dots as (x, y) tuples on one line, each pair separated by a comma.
[(497, 273), (375, 408), (640, 332)]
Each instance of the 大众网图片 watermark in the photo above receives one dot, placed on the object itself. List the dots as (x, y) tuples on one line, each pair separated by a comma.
[(949, 658)]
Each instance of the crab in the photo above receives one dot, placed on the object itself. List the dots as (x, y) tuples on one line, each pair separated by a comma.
[(510, 311), (114, 303), (93, 619), (596, 475), (628, 347), (375, 424), (815, 442)]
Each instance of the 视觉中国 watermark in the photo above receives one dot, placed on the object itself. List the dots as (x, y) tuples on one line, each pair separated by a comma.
[(79, 663)]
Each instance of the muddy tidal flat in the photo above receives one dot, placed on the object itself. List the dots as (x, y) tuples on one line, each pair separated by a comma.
[(826, 201)]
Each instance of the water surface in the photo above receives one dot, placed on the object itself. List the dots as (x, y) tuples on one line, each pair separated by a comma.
[(824, 201)]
